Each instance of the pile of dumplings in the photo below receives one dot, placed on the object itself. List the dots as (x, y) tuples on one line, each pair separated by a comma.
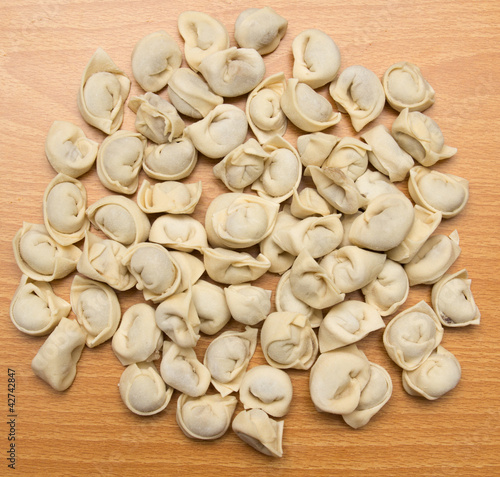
[(350, 229)]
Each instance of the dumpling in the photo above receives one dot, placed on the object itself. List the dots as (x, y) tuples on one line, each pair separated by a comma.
[(453, 301), (120, 219), (424, 224), (433, 259), (285, 300), (237, 220), (412, 335), (337, 189), (307, 109), (437, 375), (119, 161), (421, 137), (313, 284), (35, 309), (267, 388), (386, 155), (263, 109), (68, 150), (371, 184), (347, 220), (260, 28), (219, 132), (155, 58), (389, 290), (101, 261), (258, 430), (359, 93), (160, 273), (308, 202), (248, 304), (350, 155), (211, 306), (181, 370), (318, 235), (438, 191), (405, 87), (205, 417), (346, 323), (316, 58), (191, 95), (280, 260), (58, 356), (242, 166), (202, 34), (142, 389), (233, 72), (64, 204), (373, 397), (231, 267), (314, 148), (180, 232), (138, 338), (171, 161), (337, 379), (288, 341), (171, 197), (176, 316), (97, 309), (227, 358), (156, 118), (352, 268), (282, 171), (40, 257), (384, 224), (102, 94)]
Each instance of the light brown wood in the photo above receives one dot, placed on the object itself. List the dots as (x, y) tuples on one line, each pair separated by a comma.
[(44, 47)]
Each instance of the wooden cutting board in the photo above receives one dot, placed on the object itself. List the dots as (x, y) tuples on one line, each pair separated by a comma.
[(86, 430)]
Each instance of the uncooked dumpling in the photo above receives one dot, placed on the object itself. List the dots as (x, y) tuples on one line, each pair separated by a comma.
[(40, 257), (288, 341), (170, 197), (421, 137), (119, 161), (316, 58), (237, 220), (156, 118), (215, 316), (405, 87), (142, 389), (438, 191), (191, 95), (219, 132), (248, 304), (453, 301), (412, 335), (171, 161), (35, 309), (306, 108), (154, 59), (68, 150), (102, 94), (359, 93), (227, 358), (233, 72), (180, 232), (263, 108), (315, 147), (56, 360), (64, 204), (308, 202), (205, 417), (260, 28), (350, 155), (203, 35), (97, 309)]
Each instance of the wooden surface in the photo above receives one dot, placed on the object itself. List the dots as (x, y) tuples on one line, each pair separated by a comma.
[(44, 47)]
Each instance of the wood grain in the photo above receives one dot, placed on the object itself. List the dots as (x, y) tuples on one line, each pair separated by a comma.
[(44, 47)]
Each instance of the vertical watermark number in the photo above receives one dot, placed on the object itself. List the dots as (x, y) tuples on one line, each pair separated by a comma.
[(11, 418)]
